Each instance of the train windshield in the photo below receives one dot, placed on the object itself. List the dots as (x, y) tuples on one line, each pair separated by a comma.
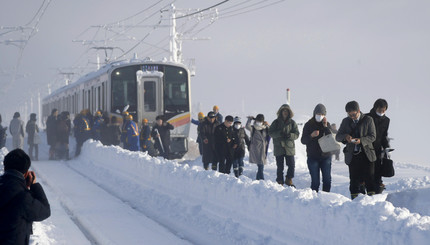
[(175, 90), (124, 88)]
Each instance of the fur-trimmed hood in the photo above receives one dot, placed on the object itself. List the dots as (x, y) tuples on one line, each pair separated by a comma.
[(285, 106)]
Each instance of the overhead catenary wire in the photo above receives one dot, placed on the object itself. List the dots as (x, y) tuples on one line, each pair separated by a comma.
[(200, 11), (224, 16)]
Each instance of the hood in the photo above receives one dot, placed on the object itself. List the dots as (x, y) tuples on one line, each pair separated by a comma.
[(285, 106)]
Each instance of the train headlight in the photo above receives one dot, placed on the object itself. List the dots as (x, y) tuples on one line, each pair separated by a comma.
[(118, 73)]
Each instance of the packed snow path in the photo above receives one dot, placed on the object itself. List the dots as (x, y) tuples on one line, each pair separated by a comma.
[(104, 218)]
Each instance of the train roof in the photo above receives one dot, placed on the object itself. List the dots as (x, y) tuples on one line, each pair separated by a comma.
[(105, 69)]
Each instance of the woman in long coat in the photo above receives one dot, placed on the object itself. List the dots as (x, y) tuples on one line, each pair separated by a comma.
[(259, 142)]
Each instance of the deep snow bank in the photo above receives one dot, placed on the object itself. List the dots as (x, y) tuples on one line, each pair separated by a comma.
[(209, 207)]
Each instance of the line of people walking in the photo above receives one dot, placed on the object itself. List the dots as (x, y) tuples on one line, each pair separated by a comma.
[(222, 145)]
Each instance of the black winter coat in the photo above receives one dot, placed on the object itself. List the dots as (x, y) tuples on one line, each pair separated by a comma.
[(222, 134), (313, 148), (381, 126), (207, 131), (19, 207), (31, 129), (164, 131), (51, 130)]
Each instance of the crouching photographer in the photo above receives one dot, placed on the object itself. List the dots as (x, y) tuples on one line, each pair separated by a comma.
[(22, 200)]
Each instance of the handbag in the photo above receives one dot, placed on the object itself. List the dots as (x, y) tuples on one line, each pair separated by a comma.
[(328, 143), (387, 167), (36, 138)]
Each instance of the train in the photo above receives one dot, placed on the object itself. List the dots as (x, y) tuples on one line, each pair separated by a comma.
[(146, 88)]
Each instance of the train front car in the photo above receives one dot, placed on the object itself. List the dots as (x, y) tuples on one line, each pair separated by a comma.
[(152, 89)]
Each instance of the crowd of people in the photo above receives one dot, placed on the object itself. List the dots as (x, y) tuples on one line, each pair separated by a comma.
[(222, 142), (222, 145)]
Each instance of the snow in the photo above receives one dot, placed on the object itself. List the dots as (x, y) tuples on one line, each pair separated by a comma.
[(112, 196)]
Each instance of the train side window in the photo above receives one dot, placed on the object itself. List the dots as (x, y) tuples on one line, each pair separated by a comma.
[(150, 96)]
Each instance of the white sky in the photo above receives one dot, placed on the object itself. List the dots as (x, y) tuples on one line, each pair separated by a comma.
[(327, 52)]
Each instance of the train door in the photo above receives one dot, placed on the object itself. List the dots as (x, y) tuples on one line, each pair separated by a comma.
[(149, 95)]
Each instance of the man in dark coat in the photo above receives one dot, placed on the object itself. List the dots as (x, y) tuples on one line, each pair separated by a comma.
[(22, 200), (83, 130), (381, 144), (207, 130), (51, 132), (358, 132), (161, 131), (32, 131), (224, 142)]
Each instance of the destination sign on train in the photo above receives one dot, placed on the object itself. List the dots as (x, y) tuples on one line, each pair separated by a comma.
[(150, 68)]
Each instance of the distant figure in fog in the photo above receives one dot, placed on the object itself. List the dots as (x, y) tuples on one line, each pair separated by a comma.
[(334, 131), (3, 134), (114, 132), (161, 132), (63, 132), (51, 125), (16, 129), (22, 200), (33, 139)]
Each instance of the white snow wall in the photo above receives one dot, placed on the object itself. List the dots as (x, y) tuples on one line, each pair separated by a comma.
[(242, 211)]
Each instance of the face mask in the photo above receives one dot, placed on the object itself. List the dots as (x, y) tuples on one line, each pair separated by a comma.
[(237, 126), (319, 118), (380, 114), (258, 124)]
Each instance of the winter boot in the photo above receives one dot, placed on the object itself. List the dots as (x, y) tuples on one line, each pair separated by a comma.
[(236, 173), (240, 171), (214, 166), (280, 182), (289, 182)]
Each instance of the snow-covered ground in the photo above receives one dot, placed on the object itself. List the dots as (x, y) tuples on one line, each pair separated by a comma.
[(112, 196)]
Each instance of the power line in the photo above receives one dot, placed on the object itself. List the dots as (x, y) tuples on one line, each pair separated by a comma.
[(224, 16), (213, 6)]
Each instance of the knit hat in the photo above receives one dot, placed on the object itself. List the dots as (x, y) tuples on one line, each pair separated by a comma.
[(237, 120), (320, 109)]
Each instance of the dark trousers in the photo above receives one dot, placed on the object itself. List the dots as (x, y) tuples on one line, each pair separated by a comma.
[(225, 162), (361, 170), (315, 165), (378, 176), (36, 151), (290, 162)]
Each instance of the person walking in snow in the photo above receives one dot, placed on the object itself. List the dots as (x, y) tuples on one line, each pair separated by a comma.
[(97, 126), (16, 129), (207, 130), (63, 132), (33, 139), (218, 115), (284, 132), (242, 140), (334, 131), (201, 118), (132, 136), (3, 134), (114, 132), (317, 161), (161, 132), (224, 142), (145, 136), (259, 143), (51, 132), (381, 143), (83, 130), (358, 132), (22, 200)]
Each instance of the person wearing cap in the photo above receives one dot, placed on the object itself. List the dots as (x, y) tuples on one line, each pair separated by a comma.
[(51, 132), (242, 140), (83, 130), (32, 131), (284, 132), (259, 143), (201, 118), (161, 132), (132, 136), (145, 135), (22, 199), (97, 125), (207, 130), (224, 142), (317, 160), (218, 115), (357, 131), (16, 129)]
